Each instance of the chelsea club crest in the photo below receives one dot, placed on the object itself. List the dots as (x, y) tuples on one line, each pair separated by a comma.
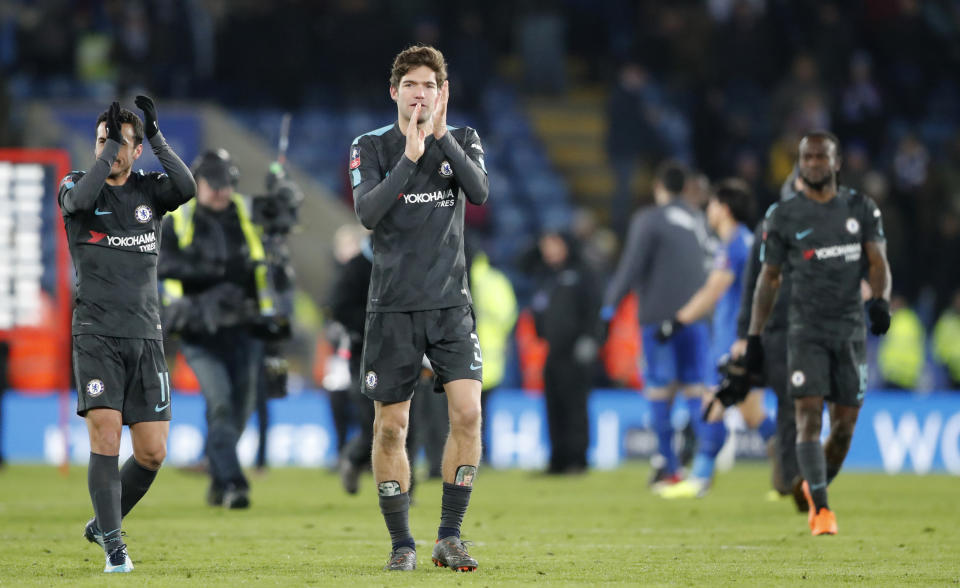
[(95, 388), (143, 214), (445, 169)]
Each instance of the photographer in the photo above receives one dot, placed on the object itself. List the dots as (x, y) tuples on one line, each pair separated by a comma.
[(217, 298)]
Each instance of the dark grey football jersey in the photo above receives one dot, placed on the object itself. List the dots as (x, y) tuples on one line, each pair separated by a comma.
[(416, 213), (113, 233), (820, 247)]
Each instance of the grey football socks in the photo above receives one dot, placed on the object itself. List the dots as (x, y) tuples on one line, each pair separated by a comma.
[(103, 482), (395, 506), (135, 480), (813, 467), (456, 498)]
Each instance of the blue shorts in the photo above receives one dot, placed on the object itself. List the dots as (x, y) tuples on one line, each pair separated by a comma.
[(684, 358)]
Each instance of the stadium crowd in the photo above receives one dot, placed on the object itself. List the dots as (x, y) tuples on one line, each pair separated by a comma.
[(720, 108), (726, 86)]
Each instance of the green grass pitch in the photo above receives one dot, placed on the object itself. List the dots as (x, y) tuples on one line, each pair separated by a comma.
[(600, 529)]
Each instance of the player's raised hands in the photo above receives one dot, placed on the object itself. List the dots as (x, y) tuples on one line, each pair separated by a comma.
[(113, 123), (145, 103), (415, 136), (440, 111)]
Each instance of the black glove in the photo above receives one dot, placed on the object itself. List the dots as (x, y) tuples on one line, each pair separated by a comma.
[(878, 310), (145, 103), (734, 381), (668, 329), (753, 358), (113, 123)]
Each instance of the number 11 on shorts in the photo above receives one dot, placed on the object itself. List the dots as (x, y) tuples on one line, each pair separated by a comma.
[(164, 392), (476, 344), (477, 357)]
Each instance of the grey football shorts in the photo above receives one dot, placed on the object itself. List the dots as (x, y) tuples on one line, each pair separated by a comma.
[(129, 375), (394, 344)]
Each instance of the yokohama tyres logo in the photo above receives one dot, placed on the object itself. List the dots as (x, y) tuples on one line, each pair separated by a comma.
[(440, 197), (143, 241), (849, 252), (131, 240)]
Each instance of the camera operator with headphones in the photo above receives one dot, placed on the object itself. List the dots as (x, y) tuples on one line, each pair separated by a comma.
[(217, 298)]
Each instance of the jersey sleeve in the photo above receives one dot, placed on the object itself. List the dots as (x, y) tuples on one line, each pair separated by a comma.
[(731, 257), (159, 186), (375, 192), (634, 260), (773, 250), (737, 253), (176, 186), (721, 258), (872, 222), (364, 164), (467, 162), (474, 148), (80, 193), (68, 183)]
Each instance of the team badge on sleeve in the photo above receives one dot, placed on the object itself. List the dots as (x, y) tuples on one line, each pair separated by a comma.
[(94, 388), (354, 156), (143, 214), (445, 169), (67, 181)]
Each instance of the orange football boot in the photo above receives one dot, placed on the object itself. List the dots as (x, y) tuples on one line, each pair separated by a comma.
[(824, 523)]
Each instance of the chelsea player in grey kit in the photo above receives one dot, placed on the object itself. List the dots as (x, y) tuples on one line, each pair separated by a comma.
[(411, 181), (826, 237), (112, 219)]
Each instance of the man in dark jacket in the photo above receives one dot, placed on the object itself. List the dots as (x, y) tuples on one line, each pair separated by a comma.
[(213, 264), (565, 307), (347, 307)]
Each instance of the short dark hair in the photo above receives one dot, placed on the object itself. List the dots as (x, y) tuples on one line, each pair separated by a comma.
[(825, 135), (127, 117), (738, 197), (415, 56), (673, 176), (217, 167)]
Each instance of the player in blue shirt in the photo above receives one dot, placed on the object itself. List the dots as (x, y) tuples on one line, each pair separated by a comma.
[(729, 210)]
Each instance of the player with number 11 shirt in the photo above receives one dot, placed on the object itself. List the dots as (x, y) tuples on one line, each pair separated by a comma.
[(112, 219)]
